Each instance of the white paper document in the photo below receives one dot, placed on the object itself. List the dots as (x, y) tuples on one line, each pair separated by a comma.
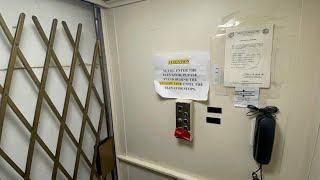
[(183, 76), (248, 56), (245, 96)]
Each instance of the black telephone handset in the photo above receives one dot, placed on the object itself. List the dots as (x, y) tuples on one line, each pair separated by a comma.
[(263, 135), (263, 138)]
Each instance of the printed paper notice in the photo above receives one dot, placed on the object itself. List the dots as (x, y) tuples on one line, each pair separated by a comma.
[(182, 76), (248, 56), (245, 96)]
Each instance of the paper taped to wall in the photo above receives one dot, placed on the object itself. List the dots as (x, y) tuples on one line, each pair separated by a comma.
[(248, 56), (183, 76), (245, 96)]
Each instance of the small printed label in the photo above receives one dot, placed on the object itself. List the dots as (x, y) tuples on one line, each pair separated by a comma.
[(216, 75), (245, 96)]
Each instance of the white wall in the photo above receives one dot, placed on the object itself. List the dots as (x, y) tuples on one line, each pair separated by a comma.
[(15, 139), (145, 122), (310, 48)]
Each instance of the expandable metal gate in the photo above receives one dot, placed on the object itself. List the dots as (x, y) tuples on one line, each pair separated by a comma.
[(43, 96)]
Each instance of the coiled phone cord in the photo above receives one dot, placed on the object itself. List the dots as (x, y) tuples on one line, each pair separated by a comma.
[(267, 111), (255, 175)]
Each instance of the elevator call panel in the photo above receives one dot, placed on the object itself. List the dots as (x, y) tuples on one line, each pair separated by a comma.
[(183, 120)]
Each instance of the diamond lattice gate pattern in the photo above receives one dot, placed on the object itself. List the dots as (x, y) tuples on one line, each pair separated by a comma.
[(43, 98)]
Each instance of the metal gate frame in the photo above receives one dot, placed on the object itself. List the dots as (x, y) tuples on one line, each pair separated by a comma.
[(42, 95)]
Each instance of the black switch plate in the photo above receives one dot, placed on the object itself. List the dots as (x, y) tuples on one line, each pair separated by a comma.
[(213, 120), (214, 110)]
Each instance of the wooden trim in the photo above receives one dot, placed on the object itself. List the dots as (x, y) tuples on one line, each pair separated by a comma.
[(156, 168), (118, 3), (100, 3), (112, 89), (112, 3)]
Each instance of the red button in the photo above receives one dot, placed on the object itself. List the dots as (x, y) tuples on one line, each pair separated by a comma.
[(182, 134)]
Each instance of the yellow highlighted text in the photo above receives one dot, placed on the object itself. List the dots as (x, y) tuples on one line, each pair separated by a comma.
[(179, 61), (166, 83)]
